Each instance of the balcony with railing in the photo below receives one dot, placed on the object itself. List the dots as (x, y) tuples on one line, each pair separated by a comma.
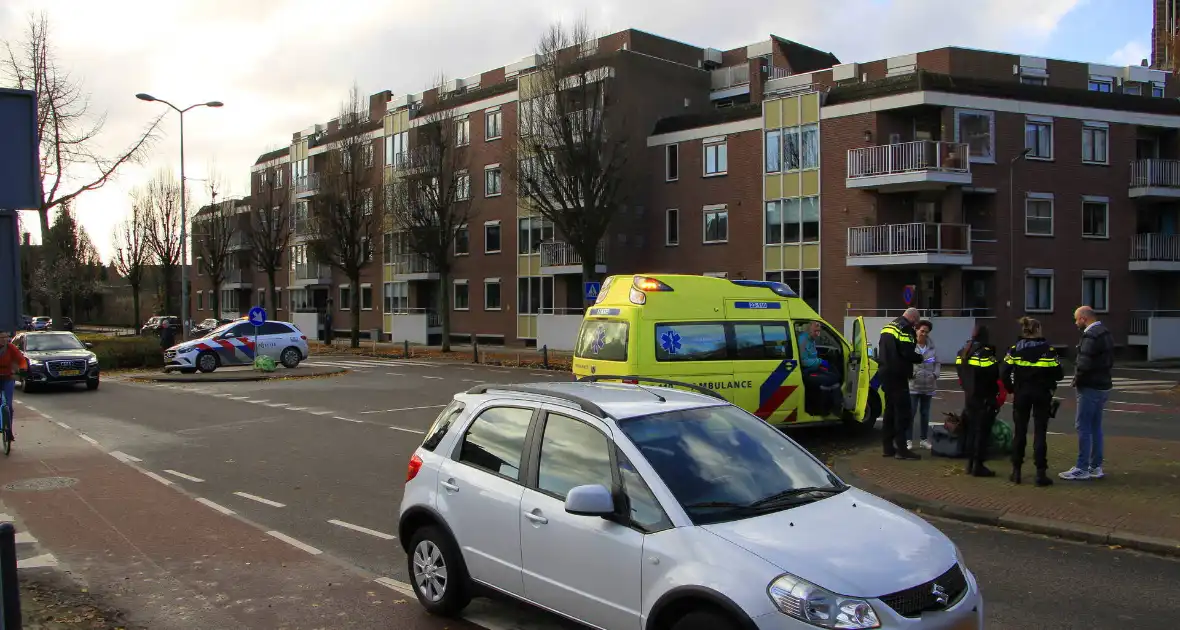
[(239, 241), (909, 244), (237, 278), (731, 76), (308, 274), (559, 257), (1155, 179), (413, 267), (909, 166), (307, 185), (1155, 252), (1158, 330)]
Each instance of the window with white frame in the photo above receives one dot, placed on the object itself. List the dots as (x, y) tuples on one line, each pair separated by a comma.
[(345, 296), (491, 237), (367, 155), (229, 301), (492, 125), (396, 146), (716, 224), (1038, 215), (1095, 217), (397, 298), (492, 183), (491, 294), (261, 298), (1038, 137), (1034, 80), (462, 241), (671, 162), (1096, 290), (462, 186), (672, 227), (716, 157), (1157, 90), (531, 232), (534, 295), (1134, 89), (805, 283), (200, 301), (1094, 142), (279, 170), (1038, 290), (977, 129), (200, 265), (1101, 84), (366, 297), (463, 132), (462, 301), (774, 150), (793, 220), (278, 298), (809, 146)]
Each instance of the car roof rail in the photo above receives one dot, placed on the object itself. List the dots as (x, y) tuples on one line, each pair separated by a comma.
[(584, 404), (638, 380)]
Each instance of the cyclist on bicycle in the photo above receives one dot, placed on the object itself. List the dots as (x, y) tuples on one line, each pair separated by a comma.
[(12, 360)]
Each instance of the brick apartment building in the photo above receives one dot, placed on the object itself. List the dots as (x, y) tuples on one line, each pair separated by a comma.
[(982, 185)]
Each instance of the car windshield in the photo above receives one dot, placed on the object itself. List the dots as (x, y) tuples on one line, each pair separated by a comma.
[(40, 319), (722, 463), (41, 343)]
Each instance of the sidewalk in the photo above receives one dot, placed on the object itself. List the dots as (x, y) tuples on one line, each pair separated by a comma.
[(1137, 505), (506, 356), (172, 563)]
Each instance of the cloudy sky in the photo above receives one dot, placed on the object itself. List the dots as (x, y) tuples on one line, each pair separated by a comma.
[(282, 65)]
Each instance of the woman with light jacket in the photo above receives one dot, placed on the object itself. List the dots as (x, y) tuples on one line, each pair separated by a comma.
[(923, 385)]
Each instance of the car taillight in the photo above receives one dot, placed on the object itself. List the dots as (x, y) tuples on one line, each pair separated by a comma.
[(413, 468), (303, 337)]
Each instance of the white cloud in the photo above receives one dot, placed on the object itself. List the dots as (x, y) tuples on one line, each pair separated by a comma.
[(1131, 54), (282, 65)]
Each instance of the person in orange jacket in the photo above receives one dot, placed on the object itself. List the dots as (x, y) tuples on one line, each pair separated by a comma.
[(12, 360)]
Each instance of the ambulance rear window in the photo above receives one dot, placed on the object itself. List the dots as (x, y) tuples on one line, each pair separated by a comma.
[(602, 341)]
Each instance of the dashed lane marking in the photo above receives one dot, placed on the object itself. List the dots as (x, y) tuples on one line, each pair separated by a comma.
[(394, 374), (215, 506), (321, 413), (433, 378), (64, 426), (408, 430), (296, 408), (347, 419), (176, 473), (25, 537), (401, 587), (405, 409), (363, 530), (153, 475), (246, 495), (44, 560), (89, 439), (276, 404), (295, 543), (124, 457)]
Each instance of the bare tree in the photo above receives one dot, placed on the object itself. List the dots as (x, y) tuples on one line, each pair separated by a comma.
[(131, 252), (429, 197), (342, 219), (71, 162), (573, 146), (213, 231), (161, 199), (270, 233)]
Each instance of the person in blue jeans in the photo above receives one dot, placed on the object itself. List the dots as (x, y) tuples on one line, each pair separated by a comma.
[(1092, 381), (923, 384), (818, 375)]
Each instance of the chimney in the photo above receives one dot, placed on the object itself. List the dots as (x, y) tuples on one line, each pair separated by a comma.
[(1143, 63)]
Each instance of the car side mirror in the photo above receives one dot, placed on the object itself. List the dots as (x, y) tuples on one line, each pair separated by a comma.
[(88, 345), (590, 500)]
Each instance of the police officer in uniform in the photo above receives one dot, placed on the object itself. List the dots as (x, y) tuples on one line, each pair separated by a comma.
[(1031, 372), (979, 373), (897, 355)]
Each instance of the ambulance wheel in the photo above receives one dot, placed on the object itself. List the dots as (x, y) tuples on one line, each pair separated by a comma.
[(207, 361), (872, 412)]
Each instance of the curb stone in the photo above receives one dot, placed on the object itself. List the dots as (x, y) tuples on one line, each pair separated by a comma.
[(995, 518), (233, 376)]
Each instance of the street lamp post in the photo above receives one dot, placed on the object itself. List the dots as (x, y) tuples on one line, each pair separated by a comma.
[(1012, 230), (184, 315)]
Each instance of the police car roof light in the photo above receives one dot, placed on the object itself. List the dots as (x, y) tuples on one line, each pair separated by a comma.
[(643, 283), (779, 288)]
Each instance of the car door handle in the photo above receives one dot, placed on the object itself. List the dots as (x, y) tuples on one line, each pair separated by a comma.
[(536, 517), (450, 485)]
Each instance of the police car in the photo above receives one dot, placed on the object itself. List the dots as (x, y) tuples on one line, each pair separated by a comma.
[(238, 343)]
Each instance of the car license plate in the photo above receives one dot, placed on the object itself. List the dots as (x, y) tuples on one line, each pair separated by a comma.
[(71, 372)]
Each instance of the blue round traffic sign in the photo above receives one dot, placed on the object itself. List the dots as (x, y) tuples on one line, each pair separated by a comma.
[(257, 316)]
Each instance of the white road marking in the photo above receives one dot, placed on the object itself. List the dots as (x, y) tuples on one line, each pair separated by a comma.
[(471, 380), (1131, 402), (124, 457), (433, 378), (175, 473), (468, 369), (252, 497), (37, 562), (257, 402), (25, 537), (1125, 411), (401, 587), (219, 508), (500, 371), (64, 426), (246, 398), (295, 543), (322, 413), (276, 404), (296, 408), (347, 419), (89, 439), (542, 374), (405, 409), (394, 374), (153, 475), (363, 530), (408, 430), (28, 406)]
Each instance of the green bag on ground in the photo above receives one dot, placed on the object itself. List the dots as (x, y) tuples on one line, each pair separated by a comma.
[(264, 364), (1001, 437)]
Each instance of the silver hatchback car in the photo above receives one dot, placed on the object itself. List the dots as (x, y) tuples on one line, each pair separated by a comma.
[(238, 343), (653, 508)]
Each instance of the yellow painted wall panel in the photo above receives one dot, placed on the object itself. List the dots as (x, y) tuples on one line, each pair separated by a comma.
[(809, 108), (810, 183), (791, 257), (773, 257), (790, 112), (387, 273), (772, 114), (790, 185), (810, 256), (774, 187)]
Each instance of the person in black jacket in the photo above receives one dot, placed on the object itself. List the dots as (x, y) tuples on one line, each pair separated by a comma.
[(1092, 380), (897, 355), (979, 373), (1031, 372)]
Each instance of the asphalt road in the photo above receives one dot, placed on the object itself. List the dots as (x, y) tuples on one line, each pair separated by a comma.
[(323, 460)]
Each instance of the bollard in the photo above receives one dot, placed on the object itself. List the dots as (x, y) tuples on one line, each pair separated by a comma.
[(406, 349), (545, 356), (9, 586), (474, 349)]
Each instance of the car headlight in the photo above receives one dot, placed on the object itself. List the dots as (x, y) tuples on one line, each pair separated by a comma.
[(33, 362), (807, 602), (93, 360)]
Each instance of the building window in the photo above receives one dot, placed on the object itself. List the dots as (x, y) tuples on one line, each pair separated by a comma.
[(1095, 219), (366, 297), (462, 186), (1028, 80), (367, 155), (462, 132), (1038, 138), (492, 185), (279, 176), (1094, 143), (1101, 84), (1096, 290), (774, 153), (977, 129), (804, 283), (534, 295), (810, 146), (532, 231), (491, 294), (716, 158), (492, 127), (200, 301), (345, 296), (671, 227), (200, 265), (278, 298), (716, 224), (491, 237), (462, 241), (367, 201), (262, 298), (1038, 291), (1038, 216), (462, 296), (672, 162), (1133, 89), (792, 153), (774, 222), (792, 221), (1157, 90)]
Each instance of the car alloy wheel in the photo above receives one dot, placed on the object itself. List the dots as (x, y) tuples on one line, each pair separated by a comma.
[(290, 358), (430, 571), (207, 362)]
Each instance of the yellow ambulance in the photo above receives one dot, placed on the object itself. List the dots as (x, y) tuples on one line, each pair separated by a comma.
[(738, 338)]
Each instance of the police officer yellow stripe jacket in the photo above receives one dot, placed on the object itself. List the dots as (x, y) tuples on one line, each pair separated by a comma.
[(980, 373), (897, 352), (1032, 367)]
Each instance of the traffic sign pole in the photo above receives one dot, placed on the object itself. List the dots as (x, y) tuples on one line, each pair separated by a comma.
[(257, 318)]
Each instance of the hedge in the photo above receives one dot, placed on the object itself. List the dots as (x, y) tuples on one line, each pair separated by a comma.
[(125, 352)]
